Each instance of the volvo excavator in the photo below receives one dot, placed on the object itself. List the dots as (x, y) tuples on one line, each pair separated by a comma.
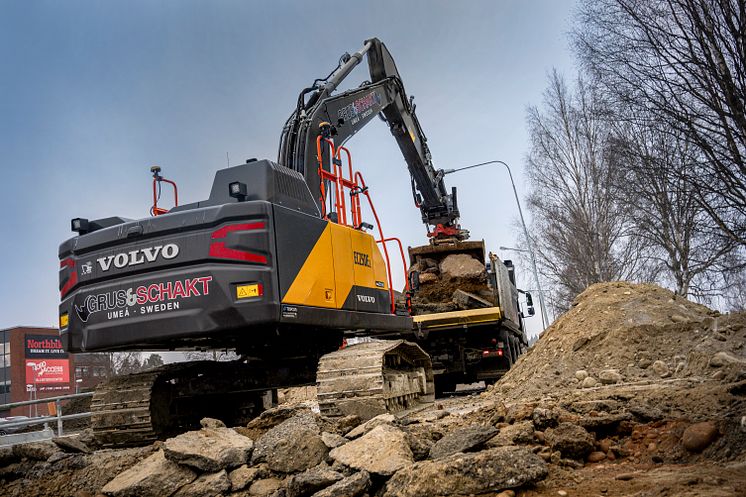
[(280, 265)]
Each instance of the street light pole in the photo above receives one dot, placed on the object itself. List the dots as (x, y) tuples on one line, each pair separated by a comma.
[(544, 318)]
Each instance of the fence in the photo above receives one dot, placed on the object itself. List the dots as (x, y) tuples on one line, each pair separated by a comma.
[(46, 433)]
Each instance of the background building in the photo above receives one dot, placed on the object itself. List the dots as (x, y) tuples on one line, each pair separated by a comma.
[(34, 366), (92, 369)]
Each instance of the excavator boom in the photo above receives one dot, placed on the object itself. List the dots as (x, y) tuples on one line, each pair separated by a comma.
[(342, 115)]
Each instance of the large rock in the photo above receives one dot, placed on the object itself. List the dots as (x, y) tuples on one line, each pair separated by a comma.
[(292, 446), (352, 486), (589, 382), (347, 423), (242, 476), (271, 418), (209, 449), (545, 418), (265, 486), (463, 474), (333, 440), (72, 445), (207, 485), (462, 440), (462, 266), (609, 376), (383, 451), (310, 481), (517, 433), (420, 442), (571, 440), (381, 419), (699, 436), (661, 369), (211, 423), (155, 476)]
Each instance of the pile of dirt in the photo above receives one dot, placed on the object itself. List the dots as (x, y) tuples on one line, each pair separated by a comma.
[(622, 332)]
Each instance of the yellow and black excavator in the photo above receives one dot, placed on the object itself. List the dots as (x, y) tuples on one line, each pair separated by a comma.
[(279, 265)]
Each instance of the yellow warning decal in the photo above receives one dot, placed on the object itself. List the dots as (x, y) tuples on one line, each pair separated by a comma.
[(246, 291), (64, 320)]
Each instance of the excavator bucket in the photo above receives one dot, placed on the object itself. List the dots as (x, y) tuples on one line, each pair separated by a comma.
[(373, 378)]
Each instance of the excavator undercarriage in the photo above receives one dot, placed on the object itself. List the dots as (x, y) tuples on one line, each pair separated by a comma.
[(366, 379)]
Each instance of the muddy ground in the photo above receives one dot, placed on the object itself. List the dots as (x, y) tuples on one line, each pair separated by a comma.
[(633, 392)]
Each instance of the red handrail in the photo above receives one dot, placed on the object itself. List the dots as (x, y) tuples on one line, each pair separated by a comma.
[(357, 185), (403, 258), (365, 190), (157, 211)]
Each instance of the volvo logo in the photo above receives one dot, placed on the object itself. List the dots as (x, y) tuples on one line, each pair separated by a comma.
[(367, 298), (136, 257)]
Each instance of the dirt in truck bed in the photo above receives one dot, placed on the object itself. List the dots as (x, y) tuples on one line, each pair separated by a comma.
[(440, 280), (633, 392)]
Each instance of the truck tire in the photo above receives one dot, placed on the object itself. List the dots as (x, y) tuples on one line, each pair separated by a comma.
[(445, 383), (513, 349)]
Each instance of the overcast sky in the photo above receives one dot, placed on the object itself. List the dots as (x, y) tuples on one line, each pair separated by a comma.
[(93, 93)]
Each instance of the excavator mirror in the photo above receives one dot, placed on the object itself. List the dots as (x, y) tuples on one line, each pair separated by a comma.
[(530, 305)]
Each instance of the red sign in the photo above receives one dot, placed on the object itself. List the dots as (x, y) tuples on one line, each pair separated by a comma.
[(46, 371)]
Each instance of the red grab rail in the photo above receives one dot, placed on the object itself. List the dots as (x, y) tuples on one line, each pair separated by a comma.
[(356, 186)]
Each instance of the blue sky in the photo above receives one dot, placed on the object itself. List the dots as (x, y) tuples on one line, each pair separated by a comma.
[(93, 93)]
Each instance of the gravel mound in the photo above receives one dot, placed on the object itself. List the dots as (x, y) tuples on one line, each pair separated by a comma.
[(623, 332)]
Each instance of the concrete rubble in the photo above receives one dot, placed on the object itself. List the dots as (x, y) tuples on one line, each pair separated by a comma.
[(293, 445), (657, 421), (382, 451), (209, 449), (153, 476)]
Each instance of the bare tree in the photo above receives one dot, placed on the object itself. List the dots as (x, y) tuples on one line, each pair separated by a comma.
[(211, 355), (152, 361), (735, 281), (666, 213), (110, 364), (580, 219), (684, 63), (127, 362)]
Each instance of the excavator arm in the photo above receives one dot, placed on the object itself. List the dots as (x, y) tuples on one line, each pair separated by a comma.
[(340, 116)]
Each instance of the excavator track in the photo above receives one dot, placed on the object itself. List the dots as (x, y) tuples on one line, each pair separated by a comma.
[(139, 408), (121, 410), (373, 378)]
